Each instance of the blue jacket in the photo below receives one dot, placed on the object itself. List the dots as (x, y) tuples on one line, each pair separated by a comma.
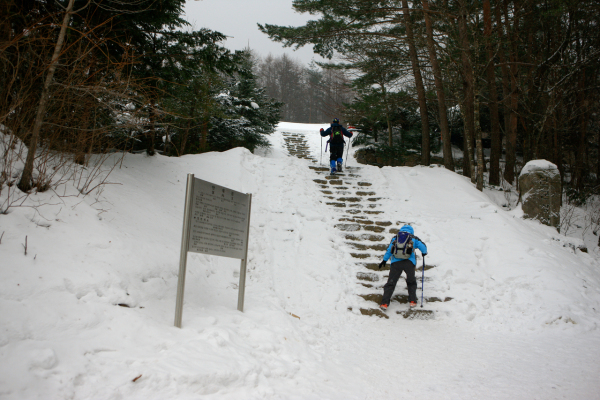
[(416, 243), (327, 132)]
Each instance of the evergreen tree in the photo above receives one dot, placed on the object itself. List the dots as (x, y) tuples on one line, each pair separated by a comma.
[(248, 114)]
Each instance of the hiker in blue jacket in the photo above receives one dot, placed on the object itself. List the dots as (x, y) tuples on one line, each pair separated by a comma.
[(403, 259), (336, 133)]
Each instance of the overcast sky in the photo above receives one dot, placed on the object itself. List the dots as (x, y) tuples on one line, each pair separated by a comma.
[(238, 18)]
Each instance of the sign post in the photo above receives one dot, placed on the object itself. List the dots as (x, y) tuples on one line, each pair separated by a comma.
[(216, 221)]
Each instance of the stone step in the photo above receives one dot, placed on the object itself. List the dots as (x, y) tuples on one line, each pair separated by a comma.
[(367, 276), (356, 205), (354, 211), (358, 220), (371, 228), (348, 227), (372, 311), (360, 193), (400, 298), (350, 199), (360, 256), (427, 267), (417, 313), (375, 266), (360, 246), (383, 223)]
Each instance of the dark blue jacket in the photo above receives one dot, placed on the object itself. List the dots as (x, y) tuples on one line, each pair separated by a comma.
[(327, 132)]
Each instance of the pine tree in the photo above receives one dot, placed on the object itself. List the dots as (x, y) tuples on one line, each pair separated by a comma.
[(249, 114)]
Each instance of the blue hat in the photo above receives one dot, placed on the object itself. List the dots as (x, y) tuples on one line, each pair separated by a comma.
[(336, 121), (408, 228)]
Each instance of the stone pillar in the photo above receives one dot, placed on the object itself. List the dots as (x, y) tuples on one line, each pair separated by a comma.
[(541, 191)]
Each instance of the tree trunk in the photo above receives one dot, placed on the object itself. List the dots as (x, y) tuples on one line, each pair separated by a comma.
[(204, 136), (496, 150), (150, 137), (25, 184), (469, 99), (598, 168), (511, 135), (580, 160), (389, 125), (504, 71), (439, 86), (479, 146), (186, 135), (387, 116), (414, 59)]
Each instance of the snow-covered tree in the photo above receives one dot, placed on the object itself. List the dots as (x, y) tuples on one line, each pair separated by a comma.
[(248, 113)]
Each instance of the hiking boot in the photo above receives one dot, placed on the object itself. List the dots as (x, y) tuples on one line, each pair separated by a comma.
[(384, 307), (339, 167), (413, 304), (333, 170)]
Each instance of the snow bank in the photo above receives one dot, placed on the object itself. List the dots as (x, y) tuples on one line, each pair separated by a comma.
[(88, 312)]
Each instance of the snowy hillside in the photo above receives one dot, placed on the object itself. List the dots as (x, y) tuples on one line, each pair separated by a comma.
[(88, 312)]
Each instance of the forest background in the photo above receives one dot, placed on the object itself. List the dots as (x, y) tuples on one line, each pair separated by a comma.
[(504, 81)]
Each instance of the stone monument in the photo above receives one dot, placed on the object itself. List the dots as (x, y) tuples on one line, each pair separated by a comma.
[(541, 191)]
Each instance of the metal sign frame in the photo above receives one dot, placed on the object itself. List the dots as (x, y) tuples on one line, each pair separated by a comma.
[(185, 245)]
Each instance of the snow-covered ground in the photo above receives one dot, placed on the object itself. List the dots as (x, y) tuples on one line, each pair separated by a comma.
[(88, 312)]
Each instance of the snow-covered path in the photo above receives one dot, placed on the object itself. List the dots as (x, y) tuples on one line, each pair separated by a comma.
[(88, 312), (446, 359)]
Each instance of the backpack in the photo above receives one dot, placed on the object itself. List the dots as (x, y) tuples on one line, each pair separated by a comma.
[(336, 135), (403, 247)]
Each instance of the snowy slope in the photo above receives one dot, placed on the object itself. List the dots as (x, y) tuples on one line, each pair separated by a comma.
[(90, 308)]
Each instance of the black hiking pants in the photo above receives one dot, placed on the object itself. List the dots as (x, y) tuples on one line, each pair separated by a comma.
[(336, 151), (411, 282)]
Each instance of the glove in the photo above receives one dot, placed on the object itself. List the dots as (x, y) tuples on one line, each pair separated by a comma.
[(424, 254), (322, 129), (382, 264)]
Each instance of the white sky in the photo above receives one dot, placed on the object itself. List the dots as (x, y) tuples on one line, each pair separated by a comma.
[(238, 18)]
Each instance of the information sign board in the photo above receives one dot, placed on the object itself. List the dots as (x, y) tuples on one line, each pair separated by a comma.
[(216, 221), (219, 221)]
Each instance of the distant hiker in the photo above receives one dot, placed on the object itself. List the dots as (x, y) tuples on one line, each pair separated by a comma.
[(336, 144), (402, 251)]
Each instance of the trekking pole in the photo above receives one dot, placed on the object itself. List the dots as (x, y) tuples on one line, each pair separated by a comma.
[(422, 281), (347, 152), (321, 159)]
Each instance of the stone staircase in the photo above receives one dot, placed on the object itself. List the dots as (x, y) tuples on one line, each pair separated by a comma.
[(366, 230)]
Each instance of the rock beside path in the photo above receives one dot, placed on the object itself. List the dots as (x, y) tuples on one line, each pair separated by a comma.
[(540, 192)]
